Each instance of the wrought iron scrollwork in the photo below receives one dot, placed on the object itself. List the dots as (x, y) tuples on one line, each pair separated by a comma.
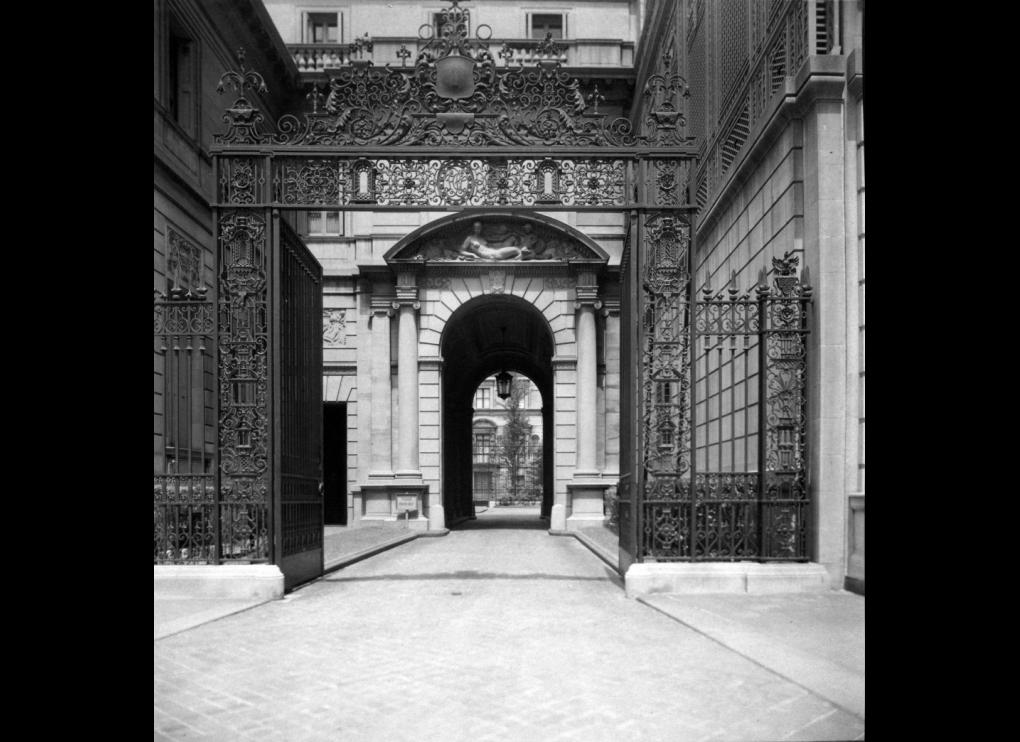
[(243, 384), (438, 182), (242, 118), (455, 95), (744, 342), (666, 349)]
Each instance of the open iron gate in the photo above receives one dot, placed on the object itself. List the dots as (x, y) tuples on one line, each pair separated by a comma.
[(715, 413), (239, 462)]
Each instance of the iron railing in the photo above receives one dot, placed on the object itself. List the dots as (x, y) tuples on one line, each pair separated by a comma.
[(184, 502), (514, 472)]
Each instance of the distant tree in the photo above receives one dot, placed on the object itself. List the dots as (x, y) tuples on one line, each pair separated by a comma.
[(512, 443), (535, 470)]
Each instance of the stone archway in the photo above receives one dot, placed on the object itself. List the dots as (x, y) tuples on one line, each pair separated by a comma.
[(483, 336), (553, 292)]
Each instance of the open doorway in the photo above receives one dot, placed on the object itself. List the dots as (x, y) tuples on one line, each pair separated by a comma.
[(334, 463), (492, 336), (506, 451)]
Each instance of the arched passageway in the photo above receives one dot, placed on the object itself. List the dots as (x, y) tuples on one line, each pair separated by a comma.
[(484, 336)]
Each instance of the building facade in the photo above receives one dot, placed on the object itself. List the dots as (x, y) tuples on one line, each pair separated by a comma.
[(425, 293)]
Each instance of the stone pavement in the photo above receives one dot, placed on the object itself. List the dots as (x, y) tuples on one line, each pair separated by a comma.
[(490, 633), (341, 545)]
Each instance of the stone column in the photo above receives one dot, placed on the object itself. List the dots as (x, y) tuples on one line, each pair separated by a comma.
[(587, 379), (382, 420), (587, 491), (407, 306)]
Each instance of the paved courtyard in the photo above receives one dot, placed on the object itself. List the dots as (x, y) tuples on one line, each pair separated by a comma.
[(490, 633)]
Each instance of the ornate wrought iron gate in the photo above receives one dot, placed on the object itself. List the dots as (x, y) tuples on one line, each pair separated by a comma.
[(717, 467), (241, 390), (453, 133)]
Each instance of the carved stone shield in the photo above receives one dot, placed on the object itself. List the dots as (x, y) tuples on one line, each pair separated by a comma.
[(455, 76)]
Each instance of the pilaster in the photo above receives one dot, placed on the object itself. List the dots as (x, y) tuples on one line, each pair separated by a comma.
[(586, 491), (406, 306), (382, 415)]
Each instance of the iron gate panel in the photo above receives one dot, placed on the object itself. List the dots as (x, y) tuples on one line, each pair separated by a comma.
[(630, 482), (724, 410), (184, 502), (298, 375)]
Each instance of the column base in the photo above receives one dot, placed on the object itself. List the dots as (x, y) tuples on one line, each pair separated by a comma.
[(387, 501), (437, 518), (586, 498), (558, 518)]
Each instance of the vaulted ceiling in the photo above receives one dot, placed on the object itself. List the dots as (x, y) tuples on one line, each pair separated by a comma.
[(491, 333)]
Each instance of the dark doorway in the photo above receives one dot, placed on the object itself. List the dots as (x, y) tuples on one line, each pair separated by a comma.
[(488, 335), (334, 465)]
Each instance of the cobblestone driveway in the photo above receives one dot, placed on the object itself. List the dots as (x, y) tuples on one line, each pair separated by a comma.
[(485, 634)]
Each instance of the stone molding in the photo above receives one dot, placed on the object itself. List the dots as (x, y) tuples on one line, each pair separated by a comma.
[(821, 77), (383, 305)]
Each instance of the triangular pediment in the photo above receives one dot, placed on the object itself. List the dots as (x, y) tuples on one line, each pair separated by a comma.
[(502, 238)]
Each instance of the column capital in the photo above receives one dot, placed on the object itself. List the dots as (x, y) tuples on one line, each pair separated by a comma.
[(587, 296), (407, 289), (415, 305), (383, 305)]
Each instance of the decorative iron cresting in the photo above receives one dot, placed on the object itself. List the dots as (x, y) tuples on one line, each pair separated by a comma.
[(455, 95)]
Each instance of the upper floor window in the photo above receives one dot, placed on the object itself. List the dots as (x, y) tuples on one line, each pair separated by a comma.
[(483, 398), (322, 28), (547, 23), (182, 71), (324, 224)]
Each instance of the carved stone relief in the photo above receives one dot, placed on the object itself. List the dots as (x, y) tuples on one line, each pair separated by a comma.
[(183, 261), (334, 327), (497, 241)]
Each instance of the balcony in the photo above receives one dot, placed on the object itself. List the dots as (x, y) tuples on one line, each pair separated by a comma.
[(600, 55)]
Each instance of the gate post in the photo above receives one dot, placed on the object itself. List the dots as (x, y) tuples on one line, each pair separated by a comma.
[(243, 374)]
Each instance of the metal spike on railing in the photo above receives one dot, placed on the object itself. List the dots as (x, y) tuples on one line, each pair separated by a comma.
[(732, 287), (763, 286)]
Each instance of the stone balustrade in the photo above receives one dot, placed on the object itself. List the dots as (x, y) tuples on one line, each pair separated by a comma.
[(402, 51)]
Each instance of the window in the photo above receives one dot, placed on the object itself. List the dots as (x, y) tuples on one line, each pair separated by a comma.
[(324, 224), (483, 398), (483, 442), (322, 28), (483, 482), (546, 23), (482, 446), (181, 85)]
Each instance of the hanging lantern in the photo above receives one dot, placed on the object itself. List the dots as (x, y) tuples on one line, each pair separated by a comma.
[(503, 380)]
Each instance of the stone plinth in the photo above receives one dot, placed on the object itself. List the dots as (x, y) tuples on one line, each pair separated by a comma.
[(585, 504), (379, 503), (725, 577), (218, 581)]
